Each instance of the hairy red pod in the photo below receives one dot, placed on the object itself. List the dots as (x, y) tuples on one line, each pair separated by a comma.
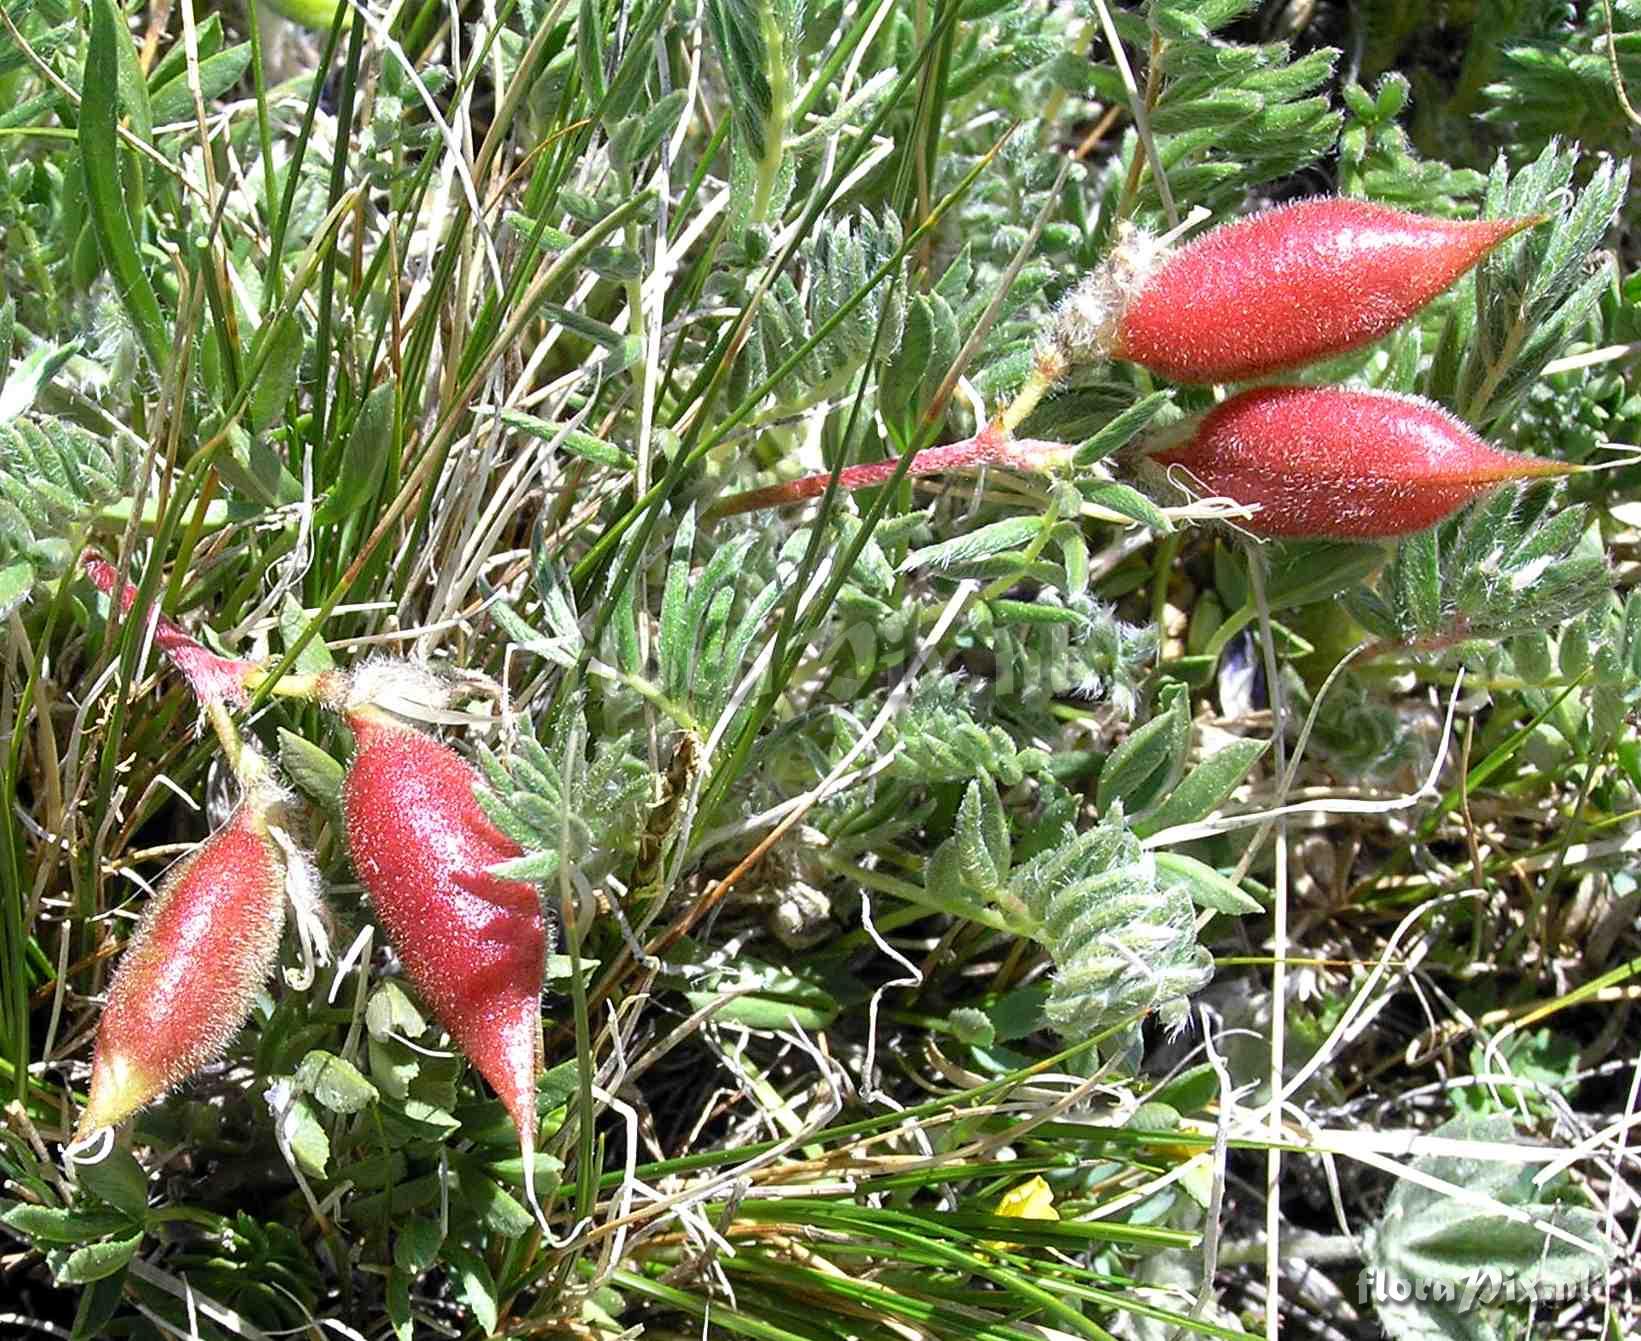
[(190, 974), (474, 945), (1293, 285), (214, 679), (1324, 462)]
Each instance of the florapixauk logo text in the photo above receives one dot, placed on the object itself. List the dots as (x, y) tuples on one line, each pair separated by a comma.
[(1483, 1287)]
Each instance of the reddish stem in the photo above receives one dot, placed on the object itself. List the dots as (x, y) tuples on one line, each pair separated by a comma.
[(214, 679), (987, 448)]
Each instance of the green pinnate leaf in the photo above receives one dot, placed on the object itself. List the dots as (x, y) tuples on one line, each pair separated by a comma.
[(1203, 788), (1533, 291), (1122, 940), (335, 1082), (95, 1261), (560, 804), (1506, 567), (1150, 761)]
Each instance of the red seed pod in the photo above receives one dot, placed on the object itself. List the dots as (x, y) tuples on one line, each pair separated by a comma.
[(1290, 286), (474, 945), (205, 945), (1328, 463)]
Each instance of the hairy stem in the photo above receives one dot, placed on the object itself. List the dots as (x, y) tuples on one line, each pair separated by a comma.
[(989, 447)]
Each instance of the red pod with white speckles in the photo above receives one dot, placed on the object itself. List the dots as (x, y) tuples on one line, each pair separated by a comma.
[(1287, 287), (473, 944), (1328, 463), (190, 974)]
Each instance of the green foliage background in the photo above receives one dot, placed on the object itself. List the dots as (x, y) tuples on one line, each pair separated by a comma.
[(906, 845)]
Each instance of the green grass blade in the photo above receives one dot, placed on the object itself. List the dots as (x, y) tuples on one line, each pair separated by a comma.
[(100, 160)]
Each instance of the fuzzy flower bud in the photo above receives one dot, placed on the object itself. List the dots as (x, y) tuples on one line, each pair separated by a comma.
[(1329, 463), (1271, 292), (473, 944), (205, 945)]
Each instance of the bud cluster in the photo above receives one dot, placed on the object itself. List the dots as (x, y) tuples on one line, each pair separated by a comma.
[(473, 944), (1262, 295)]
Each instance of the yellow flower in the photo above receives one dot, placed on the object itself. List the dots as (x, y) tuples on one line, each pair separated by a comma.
[(1031, 1200)]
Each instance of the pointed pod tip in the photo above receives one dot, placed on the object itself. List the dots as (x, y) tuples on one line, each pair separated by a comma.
[(1537, 468), (520, 1104), (1499, 231), (119, 1087)]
